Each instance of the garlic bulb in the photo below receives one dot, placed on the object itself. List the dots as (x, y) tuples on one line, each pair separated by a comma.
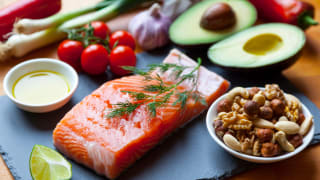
[(150, 28)]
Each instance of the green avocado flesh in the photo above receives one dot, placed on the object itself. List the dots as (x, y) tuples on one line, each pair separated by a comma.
[(259, 46), (186, 29)]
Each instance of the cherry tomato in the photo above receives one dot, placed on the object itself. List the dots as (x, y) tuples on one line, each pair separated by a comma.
[(122, 56), (101, 29), (94, 59), (70, 51), (122, 38)]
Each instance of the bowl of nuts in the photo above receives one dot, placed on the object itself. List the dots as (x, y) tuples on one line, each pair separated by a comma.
[(261, 125)]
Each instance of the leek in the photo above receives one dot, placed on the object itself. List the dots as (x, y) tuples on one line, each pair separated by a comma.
[(19, 45), (28, 26)]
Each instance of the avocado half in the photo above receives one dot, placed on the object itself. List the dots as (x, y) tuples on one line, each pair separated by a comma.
[(186, 30), (266, 47)]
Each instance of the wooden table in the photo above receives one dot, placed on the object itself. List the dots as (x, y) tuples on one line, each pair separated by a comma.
[(305, 75)]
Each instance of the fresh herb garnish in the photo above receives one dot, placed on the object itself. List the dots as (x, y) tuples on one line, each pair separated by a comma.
[(182, 99), (163, 91), (176, 69), (137, 95), (135, 70), (123, 108)]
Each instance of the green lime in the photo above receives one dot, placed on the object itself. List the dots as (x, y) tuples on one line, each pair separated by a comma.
[(48, 164)]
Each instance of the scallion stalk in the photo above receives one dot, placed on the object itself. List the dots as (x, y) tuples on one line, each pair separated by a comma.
[(28, 26), (119, 6), (19, 45)]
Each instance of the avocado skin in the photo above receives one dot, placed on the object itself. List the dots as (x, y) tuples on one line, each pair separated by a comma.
[(271, 68)]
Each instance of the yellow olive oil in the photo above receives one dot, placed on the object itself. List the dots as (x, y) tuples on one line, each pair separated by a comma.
[(40, 87)]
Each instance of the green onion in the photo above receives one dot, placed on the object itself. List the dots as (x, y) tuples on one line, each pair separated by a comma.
[(19, 45), (119, 6), (28, 26)]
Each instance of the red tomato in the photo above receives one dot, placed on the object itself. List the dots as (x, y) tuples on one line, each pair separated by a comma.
[(101, 29), (122, 56), (94, 59), (122, 38), (70, 51)]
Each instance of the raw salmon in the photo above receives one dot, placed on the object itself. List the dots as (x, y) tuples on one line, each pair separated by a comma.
[(110, 145)]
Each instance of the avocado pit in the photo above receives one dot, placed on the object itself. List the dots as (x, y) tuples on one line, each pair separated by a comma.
[(219, 16)]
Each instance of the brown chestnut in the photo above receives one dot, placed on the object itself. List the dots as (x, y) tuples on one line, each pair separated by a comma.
[(218, 125), (218, 16), (301, 118), (277, 106), (253, 91), (219, 129), (251, 108), (224, 105), (270, 149), (296, 140), (264, 135), (266, 112)]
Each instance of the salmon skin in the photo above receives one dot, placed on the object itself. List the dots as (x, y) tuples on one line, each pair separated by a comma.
[(110, 145)]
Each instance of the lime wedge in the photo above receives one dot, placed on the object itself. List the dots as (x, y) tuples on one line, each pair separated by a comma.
[(48, 164)]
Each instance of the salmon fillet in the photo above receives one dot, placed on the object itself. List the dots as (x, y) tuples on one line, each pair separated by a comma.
[(110, 145)]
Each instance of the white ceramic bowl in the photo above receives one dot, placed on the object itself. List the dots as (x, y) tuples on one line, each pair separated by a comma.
[(212, 114), (36, 65)]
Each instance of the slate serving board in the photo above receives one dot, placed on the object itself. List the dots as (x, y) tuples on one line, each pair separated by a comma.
[(189, 153)]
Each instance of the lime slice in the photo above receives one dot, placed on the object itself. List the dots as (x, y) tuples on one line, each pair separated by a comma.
[(48, 164)]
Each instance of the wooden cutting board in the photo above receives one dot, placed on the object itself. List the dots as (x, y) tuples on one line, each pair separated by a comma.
[(305, 75)]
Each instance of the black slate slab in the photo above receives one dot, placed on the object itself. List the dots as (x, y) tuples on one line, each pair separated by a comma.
[(190, 153)]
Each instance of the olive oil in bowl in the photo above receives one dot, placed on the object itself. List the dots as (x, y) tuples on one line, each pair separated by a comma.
[(40, 87)]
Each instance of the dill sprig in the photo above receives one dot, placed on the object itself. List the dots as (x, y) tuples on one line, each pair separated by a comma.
[(176, 69), (135, 70), (123, 109), (152, 106), (137, 95), (163, 91)]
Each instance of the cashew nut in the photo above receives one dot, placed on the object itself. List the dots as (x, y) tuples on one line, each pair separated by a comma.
[(284, 143), (237, 91), (262, 123), (232, 142), (283, 118), (288, 127), (305, 126), (259, 98)]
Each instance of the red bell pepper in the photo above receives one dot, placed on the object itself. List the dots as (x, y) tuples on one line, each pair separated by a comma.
[(286, 11), (33, 9)]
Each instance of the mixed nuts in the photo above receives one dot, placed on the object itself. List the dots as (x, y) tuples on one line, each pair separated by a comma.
[(261, 122)]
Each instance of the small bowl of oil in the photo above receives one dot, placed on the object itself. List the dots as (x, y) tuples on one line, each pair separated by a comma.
[(41, 85)]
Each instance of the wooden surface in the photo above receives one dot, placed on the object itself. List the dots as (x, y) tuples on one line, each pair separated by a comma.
[(305, 75)]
